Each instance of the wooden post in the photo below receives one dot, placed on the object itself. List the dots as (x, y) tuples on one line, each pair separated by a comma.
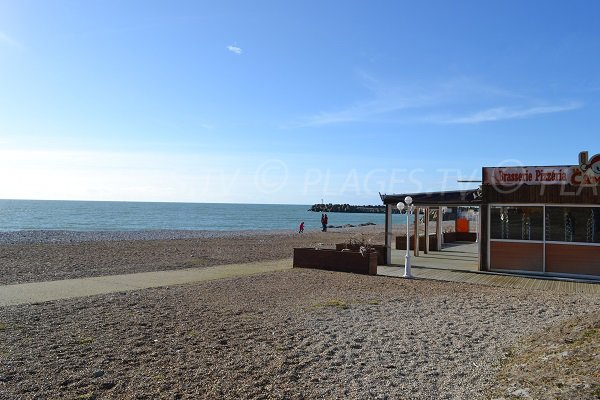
[(483, 238), (426, 220), (388, 233), (416, 215), (438, 229)]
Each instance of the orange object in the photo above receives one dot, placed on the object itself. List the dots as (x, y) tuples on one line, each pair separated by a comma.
[(461, 225)]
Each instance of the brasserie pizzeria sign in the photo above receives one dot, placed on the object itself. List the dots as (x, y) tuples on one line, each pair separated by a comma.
[(587, 173)]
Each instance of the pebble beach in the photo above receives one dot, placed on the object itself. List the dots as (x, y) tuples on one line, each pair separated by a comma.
[(295, 334), (34, 256)]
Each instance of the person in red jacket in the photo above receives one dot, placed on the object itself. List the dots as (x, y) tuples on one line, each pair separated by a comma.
[(301, 229), (324, 221)]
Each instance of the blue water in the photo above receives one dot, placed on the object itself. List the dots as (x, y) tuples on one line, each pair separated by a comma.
[(127, 216)]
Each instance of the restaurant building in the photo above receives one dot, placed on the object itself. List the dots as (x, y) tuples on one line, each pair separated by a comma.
[(541, 220)]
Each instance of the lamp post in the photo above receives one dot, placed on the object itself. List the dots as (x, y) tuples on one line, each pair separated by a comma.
[(409, 207)]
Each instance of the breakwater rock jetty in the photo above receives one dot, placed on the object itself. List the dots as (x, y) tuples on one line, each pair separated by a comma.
[(347, 208)]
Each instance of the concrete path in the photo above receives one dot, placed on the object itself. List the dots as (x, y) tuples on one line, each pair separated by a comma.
[(37, 292)]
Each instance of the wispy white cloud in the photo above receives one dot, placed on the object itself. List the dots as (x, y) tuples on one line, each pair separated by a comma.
[(434, 102), (504, 113), (6, 40), (234, 49), (356, 113), (385, 100)]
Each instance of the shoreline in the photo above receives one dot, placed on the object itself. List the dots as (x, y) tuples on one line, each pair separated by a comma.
[(62, 236), (39, 236)]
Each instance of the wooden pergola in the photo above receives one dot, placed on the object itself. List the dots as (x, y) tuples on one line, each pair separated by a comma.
[(426, 202)]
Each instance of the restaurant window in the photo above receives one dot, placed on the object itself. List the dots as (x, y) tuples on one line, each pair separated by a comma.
[(516, 223), (573, 224)]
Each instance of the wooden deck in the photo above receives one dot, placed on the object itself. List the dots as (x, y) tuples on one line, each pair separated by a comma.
[(455, 256), (492, 279), (459, 263)]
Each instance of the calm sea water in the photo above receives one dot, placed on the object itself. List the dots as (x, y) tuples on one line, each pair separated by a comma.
[(125, 216)]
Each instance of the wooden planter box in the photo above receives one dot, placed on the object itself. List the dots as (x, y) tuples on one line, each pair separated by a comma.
[(343, 261), (449, 237), (401, 242), (379, 249), (466, 236)]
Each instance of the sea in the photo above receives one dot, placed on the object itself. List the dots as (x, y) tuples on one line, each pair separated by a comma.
[(19, 215)]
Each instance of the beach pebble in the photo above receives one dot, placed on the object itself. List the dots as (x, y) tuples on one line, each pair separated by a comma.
[(107, 385), (524, 393), (98, 374)]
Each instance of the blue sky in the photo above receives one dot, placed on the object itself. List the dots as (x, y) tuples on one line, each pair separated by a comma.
[(288, 102)]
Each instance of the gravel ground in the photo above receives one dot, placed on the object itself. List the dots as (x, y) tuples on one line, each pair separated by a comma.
[(33, 256), (57, 236), (43, 256), (293, 334), (558, 363)]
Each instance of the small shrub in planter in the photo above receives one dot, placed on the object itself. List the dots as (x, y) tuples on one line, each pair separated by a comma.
[(379, 249), (363, 244)]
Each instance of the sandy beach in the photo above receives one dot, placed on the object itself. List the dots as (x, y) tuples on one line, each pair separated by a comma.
[(293, 334)]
